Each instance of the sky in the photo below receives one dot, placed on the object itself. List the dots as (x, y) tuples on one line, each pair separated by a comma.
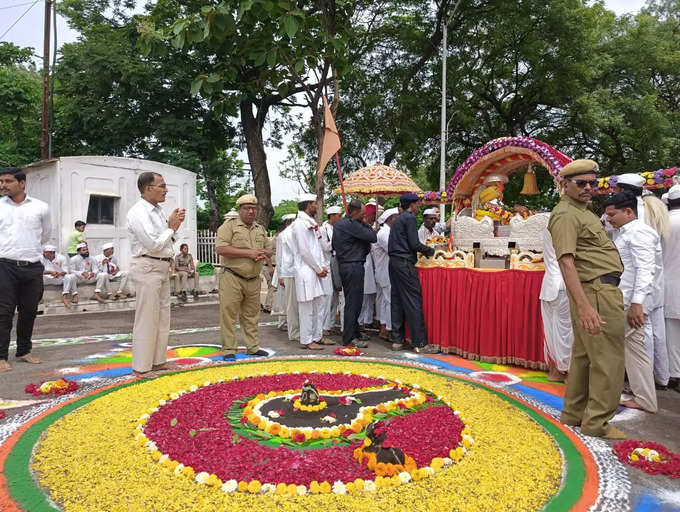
[(28, 31)]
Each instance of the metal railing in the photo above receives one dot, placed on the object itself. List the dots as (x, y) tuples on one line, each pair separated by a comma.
[(205, 246)]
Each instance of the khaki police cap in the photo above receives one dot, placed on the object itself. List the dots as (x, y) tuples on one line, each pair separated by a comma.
[(246, 199), (581, 166)]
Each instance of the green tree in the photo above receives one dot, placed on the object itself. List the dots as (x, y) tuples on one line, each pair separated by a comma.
[(20, 106)]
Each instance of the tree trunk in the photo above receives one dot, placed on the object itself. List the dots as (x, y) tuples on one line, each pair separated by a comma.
[(214, 217), (252, 130)]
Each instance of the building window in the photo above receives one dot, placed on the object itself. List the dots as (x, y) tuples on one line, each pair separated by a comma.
[(100, 210)]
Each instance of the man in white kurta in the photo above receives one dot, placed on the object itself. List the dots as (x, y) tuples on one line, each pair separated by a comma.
[(285, 268), (367, 313), (559, 335), (109, 263), (381, 259), (671, 262), (639, 246), (87, 270), (279, 303), (309, 271), (430, 227), (56, 273), (331, 295)]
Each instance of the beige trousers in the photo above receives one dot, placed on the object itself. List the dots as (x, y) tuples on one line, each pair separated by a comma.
[(152, 312), (182, 281), (639, 368), (239, 300)]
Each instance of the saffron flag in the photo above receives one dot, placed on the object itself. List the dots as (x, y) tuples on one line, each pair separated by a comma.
[(331, 138)]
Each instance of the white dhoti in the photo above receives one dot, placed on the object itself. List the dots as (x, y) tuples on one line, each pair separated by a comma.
[(559, 335), (100, 280), (67, 283), (673, 344), (121, 277), (311, 321), (383, 300), (331, 311), (639, 368), (655, 343), (367, 309), (292, 314)]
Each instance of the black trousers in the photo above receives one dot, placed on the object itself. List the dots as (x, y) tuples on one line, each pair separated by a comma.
[(407, 302), (352, 277), (21, 287)]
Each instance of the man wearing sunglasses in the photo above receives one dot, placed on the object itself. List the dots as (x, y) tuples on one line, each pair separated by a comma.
[(591, 267)]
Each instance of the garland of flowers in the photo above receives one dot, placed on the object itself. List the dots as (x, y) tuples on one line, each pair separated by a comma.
[(654, 180), (52, 387), (501, 214), (650, 457)]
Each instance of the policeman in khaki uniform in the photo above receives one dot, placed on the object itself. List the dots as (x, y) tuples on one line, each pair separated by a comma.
[(591, 267), (243, 246)]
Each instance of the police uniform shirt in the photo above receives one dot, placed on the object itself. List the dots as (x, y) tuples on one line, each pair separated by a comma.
[(235, 233), (577, 231)]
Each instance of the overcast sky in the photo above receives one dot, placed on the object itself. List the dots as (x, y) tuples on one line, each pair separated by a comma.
[(28, 31)]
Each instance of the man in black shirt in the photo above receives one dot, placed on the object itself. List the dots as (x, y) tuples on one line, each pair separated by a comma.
[(407, 295), (352, 240)]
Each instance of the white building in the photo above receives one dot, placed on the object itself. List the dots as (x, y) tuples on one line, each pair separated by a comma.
[(100, 190)]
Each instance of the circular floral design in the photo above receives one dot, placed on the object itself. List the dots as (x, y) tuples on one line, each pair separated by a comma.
[(514, 464), (650, 457)]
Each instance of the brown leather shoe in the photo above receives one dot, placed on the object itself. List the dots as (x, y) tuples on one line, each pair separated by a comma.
[(613, 433), (29, 358)]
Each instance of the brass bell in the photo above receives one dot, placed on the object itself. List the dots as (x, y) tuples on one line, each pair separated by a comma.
[(530, 187)]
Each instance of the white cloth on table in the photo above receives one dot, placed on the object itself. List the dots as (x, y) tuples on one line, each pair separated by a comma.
[(24, 228), (148, 229)]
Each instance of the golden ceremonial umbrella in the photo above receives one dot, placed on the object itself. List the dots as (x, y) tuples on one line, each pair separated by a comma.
[(379, 180)]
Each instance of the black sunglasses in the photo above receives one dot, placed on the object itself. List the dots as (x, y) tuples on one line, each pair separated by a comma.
[(583, 183)]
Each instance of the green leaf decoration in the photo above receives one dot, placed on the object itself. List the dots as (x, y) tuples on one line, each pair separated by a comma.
[(173, 422)]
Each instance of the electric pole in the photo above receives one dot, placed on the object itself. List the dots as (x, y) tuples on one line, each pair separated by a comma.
[(44, 137)]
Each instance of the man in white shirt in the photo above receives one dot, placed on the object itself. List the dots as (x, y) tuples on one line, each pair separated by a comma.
[(24, 228), (57, 273), (671, 263), (381, 259), (285, 278), (87, 270), (639, 247), (332, 295), (151, 238), (108, 263), (559, 334), (310, 269), (430, 226)]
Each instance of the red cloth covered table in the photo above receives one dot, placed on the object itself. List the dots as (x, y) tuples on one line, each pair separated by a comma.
[(492, 316)]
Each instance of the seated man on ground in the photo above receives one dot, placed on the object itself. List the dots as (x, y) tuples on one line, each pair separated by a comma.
[(108, 263), (87, 270), (57, 273), (185, 268)]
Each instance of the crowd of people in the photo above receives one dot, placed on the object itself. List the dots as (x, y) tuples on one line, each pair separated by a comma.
[(611, 298)]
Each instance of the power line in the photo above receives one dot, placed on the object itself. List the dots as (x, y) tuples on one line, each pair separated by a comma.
[(18, 19), (13, 6)]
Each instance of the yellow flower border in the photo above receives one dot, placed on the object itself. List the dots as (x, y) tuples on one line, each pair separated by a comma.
[(515, 466)]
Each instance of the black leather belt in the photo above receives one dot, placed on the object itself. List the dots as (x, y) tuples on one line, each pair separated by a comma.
[(239, 275), (19, 263), (607, 279), (169, 260)]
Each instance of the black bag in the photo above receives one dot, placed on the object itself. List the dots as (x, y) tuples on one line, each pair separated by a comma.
[(335, 274)]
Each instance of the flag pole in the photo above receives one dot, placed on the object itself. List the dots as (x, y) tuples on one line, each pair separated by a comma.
[(342, 185)]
